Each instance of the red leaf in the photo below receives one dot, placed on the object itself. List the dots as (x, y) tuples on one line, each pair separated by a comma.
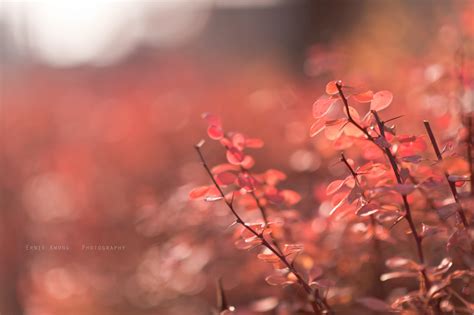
[(238, 141), (226, 178), (198, 192), (381, 100), (273, 177), (224, 168), (234, 156), (215, 132), (248, 162), (246, 182)]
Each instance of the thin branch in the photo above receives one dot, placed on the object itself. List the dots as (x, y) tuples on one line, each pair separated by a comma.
[(319, 305), (470, 136), (263, 210), (377, 247), (394, 165), (452, 185), (406, 205)]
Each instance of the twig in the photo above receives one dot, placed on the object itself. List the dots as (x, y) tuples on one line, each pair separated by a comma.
[(373, 222), (393, 163), (263, 211), (319, 306), (470, 136), (452, 185)]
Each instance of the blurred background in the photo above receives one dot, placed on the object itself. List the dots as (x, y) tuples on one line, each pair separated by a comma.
[(100, 108)]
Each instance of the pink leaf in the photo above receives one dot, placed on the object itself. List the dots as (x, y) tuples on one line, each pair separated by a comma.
[(215, 132), (254, 143), (364, 97), (238, 141), (234, 156), (322, 106), (367, 210), (334, 186), (381, 100), (198, 192), (224, 167), (248, 162), (317, 127)]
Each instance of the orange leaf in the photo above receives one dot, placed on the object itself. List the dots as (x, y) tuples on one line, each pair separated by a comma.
[(364, 97), (331, 88)]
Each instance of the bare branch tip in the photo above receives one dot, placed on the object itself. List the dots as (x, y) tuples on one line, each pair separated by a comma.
[(200, 144)]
